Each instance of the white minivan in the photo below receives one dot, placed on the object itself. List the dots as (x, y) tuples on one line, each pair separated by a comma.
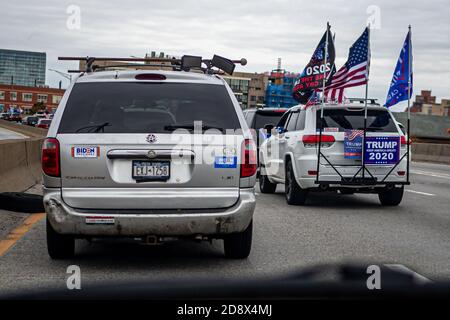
[(290, 155)]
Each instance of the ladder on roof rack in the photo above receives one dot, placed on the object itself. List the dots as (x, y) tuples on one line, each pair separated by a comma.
[(186, 63)]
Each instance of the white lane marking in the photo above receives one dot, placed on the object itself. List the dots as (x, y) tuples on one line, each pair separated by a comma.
[(422, 193), (418, 278), (431, 174)]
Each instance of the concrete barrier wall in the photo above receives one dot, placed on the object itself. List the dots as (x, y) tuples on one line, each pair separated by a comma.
[(23, 129), (20, 164), (431, 152)]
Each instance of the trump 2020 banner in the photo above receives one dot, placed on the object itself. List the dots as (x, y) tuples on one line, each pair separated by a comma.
[(353, 144), (381, 150), (316, 70)]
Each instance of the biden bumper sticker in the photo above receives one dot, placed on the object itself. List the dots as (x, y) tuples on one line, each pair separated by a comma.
[(85, 152)]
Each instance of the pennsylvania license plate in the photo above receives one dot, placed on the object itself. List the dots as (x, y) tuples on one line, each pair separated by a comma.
[(151, 170)]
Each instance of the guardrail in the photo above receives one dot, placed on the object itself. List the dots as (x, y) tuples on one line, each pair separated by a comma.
[(426, 126)]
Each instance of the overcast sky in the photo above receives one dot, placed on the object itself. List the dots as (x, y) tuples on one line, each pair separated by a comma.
[(260, 31)]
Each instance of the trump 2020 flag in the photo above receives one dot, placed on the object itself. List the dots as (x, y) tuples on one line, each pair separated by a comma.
[(398, 90)]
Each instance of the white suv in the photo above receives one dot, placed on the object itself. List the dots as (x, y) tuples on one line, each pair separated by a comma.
[(290, 155)]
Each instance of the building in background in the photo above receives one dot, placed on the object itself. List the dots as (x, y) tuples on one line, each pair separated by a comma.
[(239, 84), (23, 68), (14, 97), (249, 88), (425, 103), (279, 89)]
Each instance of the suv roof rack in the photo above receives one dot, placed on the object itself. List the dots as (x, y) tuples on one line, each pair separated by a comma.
[(370, 101), (186, 63)]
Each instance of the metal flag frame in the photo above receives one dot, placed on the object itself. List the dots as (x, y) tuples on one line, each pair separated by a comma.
[(363, 180)]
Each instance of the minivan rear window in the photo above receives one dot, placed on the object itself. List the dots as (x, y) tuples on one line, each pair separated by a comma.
[(343, 119), (142, 107)]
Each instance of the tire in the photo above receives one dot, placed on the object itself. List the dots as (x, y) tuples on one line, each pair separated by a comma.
[(265, 185), (59, 246), (238, 245), (391, 197), (21, 202), (295, 195)]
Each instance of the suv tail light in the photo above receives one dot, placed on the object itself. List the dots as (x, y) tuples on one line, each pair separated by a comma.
[(248, 161), (50, 157), (403, 140), (311, 140)]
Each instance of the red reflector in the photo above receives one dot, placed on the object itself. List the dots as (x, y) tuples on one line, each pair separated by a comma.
[(50, 157), (403, 140), (314, 138), (248, 161), (312, 172), (401, 173), (150, 76)]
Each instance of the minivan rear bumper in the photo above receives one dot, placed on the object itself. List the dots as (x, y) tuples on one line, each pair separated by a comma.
[(68, 220)]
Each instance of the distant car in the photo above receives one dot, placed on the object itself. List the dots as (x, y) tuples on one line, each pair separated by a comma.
[(258, 118), (30, 121), (4, 116), (44, 123), (15, 117)]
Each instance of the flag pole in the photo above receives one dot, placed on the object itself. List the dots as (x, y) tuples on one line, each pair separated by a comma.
[(323, 101), (365, 103), (409, 100)]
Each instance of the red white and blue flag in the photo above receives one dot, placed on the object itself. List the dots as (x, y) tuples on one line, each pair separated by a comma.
[(355, 72)]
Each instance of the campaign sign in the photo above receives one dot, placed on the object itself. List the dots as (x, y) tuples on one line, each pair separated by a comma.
[(381, 150), (353, 144)]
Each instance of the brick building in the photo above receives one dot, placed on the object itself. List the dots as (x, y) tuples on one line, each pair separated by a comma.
[(15, 97), (425, 103)]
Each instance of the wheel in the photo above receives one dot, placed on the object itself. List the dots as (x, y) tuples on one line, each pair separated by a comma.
[(391, 197), (346, 191), (238, 245), (295, 195), (265, 185), (21, 202), (59, 246)]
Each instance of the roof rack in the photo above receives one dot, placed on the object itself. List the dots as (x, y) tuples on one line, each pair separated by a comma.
[(186, 63), (371, 101)]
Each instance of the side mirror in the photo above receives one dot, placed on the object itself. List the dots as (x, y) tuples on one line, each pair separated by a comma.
[(268, 129)]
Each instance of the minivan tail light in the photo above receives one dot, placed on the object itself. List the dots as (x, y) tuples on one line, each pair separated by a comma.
[(311, 140), (248, 158), (50, 157)]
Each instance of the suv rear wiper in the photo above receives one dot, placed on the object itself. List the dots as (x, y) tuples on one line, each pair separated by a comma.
[(95, 128), (191, 127)]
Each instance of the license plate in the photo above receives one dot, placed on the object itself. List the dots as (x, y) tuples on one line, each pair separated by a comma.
[(151, 170)]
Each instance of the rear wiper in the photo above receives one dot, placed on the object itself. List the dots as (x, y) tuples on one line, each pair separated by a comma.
[(191, 127), (94, 128)]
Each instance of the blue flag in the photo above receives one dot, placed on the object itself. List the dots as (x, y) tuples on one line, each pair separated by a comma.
[(398, 90)]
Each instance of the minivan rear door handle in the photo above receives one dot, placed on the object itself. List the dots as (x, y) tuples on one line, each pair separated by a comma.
[(150, 154)]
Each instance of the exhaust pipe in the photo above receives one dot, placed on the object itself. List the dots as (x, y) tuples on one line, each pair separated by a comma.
[(152, 240), (323, 187)]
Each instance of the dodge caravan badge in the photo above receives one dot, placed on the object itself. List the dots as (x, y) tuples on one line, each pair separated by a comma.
[(151, 138)]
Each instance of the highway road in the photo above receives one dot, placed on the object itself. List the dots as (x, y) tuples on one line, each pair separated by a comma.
[(331, 228), (6, 134)]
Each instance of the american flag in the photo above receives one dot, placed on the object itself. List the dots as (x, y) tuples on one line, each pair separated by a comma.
[(353, 73)]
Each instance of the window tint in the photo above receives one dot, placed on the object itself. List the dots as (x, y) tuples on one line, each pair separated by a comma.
[(377, 120), (283, 120), (301, 120), (267, 118), (142, 107), (292, 121)]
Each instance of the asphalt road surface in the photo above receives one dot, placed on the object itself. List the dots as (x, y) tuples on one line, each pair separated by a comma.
[(331, 228), (6, 134)]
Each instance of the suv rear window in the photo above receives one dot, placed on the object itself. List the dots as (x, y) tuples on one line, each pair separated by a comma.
[(377, 120), (142, 107), (262, 118)]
